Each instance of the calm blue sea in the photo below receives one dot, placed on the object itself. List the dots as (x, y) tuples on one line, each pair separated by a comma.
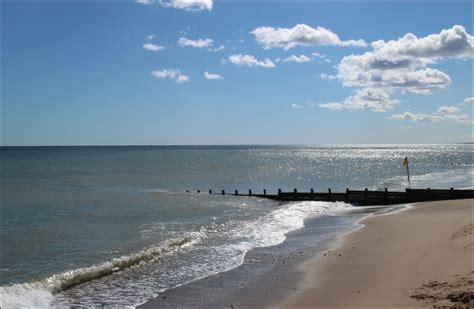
[(115, 226)]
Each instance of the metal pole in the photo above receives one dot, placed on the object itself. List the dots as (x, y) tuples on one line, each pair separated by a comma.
[(408, 175)]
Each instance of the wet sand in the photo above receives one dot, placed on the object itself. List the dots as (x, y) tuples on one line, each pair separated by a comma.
[(421, 257)]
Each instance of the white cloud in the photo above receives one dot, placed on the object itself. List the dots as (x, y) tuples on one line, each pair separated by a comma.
[(250, 61), (325, 76), (150, 36), (468, 101), (402, 65), (300, 34), (222, 47), (460, 119), (376, 100), (294, 58), (188, 5), (335, 106), (318, 55), (296, 106), (448, 110), (172, 74), (212, 76), (199, 43), (152, 47), (416, 117), (146, 2)]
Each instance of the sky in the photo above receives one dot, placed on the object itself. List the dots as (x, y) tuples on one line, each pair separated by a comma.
[(192, 72)]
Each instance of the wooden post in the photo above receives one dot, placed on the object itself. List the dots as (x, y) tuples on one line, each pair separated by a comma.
[(294, 194), (329, 190), (223, 192), (264, 192), (250, 192), (312, 193), (198, 191), (210, 191), (279, 191), (236, 192)]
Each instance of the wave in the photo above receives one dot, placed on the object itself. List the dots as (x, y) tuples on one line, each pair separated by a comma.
[(220, 247), (41, 293)]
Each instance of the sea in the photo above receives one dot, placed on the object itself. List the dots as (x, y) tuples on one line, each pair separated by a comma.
[(118, 225)]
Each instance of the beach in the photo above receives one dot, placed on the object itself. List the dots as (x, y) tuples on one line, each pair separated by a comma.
[(415, 258)]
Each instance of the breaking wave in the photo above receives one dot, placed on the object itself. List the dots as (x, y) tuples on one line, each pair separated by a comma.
[(41, 293)]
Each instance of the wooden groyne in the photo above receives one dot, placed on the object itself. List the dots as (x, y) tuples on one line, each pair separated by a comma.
[(361, 197)]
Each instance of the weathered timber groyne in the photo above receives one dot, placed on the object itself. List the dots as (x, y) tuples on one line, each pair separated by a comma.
[(362, 197)]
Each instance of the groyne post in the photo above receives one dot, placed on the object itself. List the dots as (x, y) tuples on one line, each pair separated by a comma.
[(250, 192), (279, 192), (264, 192), (312, 193), (210, 191), (223, 192), (236, 192)]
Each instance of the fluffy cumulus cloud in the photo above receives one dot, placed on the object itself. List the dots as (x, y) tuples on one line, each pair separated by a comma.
[(402, 65), (299, 59), (376, 100), (250, 61), (152, 47), (199, 43), (212, 76), (172, 74), (468, 101), (188, 5), (448, 110), (300, 34)]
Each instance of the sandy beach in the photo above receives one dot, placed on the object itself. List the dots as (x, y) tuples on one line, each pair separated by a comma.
[(421, 257)]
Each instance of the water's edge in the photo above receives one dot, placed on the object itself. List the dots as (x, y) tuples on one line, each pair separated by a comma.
[(267, 274)]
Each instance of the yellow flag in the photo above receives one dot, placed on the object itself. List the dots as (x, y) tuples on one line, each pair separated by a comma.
[(405, 162)]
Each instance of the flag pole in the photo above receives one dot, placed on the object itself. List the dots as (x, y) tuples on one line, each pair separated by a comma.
[(406, 163), (408, 175)]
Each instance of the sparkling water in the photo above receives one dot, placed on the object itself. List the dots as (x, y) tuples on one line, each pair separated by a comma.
[(114, 225)]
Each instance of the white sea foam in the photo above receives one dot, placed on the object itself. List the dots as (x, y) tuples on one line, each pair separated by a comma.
[(41, 293)]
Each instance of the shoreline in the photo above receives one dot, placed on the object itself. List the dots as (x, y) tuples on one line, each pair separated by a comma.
[(418, 257), (369, 257), (268, 274)]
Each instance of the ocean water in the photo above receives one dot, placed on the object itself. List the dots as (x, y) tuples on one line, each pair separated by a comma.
[(114, 225)]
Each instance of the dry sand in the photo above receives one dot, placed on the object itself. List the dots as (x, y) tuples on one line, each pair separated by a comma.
[(421, 257)]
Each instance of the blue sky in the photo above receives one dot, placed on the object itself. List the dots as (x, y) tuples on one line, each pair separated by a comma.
[(79, 73)]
